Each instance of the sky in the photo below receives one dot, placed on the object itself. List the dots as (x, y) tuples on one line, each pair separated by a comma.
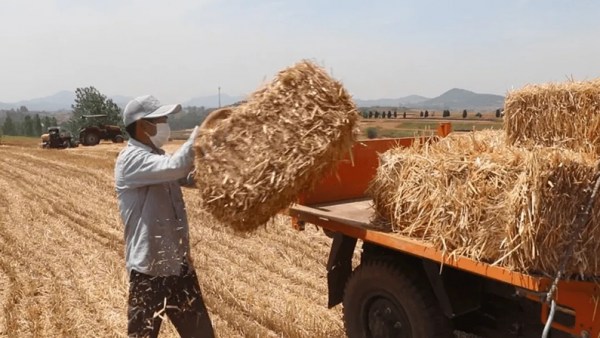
[(179, 49)]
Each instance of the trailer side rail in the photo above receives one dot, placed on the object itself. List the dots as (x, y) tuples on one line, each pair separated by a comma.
[(357, 228)]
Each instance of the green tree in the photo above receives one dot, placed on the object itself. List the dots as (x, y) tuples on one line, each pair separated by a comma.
[(188, 118), (89, 101), (46, 123), (9, 128), (28, 126), (37, 125), (464, 114), (372, 132)]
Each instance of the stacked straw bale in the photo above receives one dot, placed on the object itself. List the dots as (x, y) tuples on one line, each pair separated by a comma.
[(555, 114), (474, 195), (276, 145)]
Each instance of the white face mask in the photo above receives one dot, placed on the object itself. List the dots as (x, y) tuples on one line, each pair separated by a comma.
[(163, 132)]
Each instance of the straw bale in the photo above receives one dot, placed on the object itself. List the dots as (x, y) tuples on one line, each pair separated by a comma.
[(555, 114), (264, 152), (474, 195)]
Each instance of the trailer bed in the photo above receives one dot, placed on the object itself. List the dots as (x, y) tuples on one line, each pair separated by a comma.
[(352, 212), (354, 218)]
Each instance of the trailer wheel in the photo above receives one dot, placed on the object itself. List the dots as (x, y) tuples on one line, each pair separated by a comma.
[(383, 300), (91, 139)]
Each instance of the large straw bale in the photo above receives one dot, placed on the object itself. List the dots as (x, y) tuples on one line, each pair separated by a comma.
[(280, 142), (474, 195), (555, 114)]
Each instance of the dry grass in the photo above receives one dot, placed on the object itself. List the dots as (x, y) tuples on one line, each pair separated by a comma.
[(397, 128), (473, 195), (62, 271), (555, 114), (278, 144)]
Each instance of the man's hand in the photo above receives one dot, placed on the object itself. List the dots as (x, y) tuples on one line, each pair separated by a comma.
[(194, 134), (191, 141), (190, 180)]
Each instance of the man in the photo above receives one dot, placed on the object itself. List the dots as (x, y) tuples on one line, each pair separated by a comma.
[(162, 280)]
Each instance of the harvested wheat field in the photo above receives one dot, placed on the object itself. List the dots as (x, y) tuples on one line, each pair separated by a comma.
[(62, 271)]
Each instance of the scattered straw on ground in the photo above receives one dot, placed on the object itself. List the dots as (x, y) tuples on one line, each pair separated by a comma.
[(62, 270), (274, 146), (473, 195), (555, 114)]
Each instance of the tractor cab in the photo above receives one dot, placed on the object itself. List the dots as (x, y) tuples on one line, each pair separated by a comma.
[(97, 130)]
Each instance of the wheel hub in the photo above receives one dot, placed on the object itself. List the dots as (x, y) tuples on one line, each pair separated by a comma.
[(386, 319)]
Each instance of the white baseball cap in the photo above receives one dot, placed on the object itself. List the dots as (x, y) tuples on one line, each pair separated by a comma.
[(147, 107)]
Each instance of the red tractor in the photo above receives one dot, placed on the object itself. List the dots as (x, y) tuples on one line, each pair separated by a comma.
[(97, 131)]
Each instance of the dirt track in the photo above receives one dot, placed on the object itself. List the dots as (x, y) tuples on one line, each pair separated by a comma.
[(62, 271)]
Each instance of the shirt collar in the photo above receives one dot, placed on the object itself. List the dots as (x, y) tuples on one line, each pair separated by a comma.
[(135, 143)]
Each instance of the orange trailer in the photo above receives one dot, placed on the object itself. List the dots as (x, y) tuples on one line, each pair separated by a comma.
[(406, 288)]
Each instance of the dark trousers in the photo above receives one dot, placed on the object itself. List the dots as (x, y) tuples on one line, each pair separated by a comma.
[(152, 298)]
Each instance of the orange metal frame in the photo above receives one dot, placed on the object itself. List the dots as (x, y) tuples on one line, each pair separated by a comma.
[(351, 180)]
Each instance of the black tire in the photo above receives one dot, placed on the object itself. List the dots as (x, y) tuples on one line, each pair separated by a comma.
[(383, 300), (118, 139), (91, 139)]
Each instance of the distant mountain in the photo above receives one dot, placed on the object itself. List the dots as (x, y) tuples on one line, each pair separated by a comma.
[(452, 99), (463, 99), (63, 100), (402, 101), (59, 101), (212, 101)]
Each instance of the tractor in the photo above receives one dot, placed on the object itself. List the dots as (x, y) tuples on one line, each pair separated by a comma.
[(93, 133), (57, 137)]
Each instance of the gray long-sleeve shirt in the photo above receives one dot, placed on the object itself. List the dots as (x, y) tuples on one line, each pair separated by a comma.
[(152, 207)]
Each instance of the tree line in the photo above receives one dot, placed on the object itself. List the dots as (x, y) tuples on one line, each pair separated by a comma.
[(368, 114), (22, 123), (189, 117), (88, 101)]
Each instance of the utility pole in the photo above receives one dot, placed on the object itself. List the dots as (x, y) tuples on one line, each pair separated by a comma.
[(219, 96)]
